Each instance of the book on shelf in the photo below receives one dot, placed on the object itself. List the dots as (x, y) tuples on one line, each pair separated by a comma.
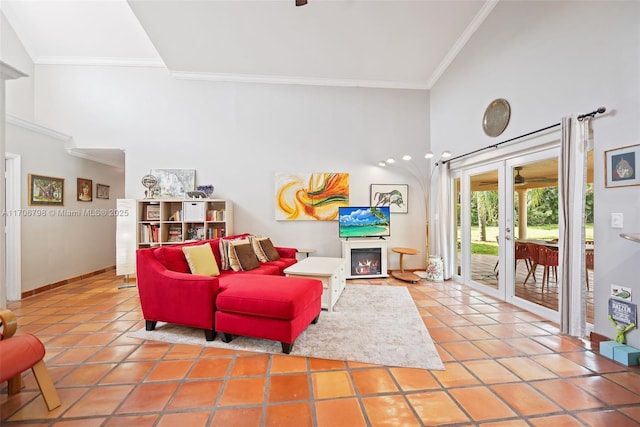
[(215, 233), (174, 234), (149, 233), (215, 215)]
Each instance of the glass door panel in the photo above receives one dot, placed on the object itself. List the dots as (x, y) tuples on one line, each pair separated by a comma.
[(481, 210), (533, 208)]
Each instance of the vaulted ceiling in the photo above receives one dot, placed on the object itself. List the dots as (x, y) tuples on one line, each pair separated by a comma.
[(362, 43), (370, 43)]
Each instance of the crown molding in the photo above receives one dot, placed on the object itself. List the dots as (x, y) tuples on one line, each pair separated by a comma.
[(67, 139), (309, 81), (99, 61), (77, 152), (26, 124), (473, 26)]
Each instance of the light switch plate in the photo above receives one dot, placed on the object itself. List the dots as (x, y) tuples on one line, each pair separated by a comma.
[(616, 220)]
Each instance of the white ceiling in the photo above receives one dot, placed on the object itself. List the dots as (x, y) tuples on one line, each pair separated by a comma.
[(371, 43), (365, 43)]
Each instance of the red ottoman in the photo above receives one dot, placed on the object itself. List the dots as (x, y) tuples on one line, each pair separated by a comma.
[(270, 307)]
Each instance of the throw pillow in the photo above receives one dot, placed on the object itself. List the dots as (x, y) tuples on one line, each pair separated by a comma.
[(224, 252), (173, 258), (269, 251), (255, 244), (242, 257), (201, 260)]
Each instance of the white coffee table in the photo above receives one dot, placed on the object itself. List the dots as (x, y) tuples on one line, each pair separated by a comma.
[(331, 271)]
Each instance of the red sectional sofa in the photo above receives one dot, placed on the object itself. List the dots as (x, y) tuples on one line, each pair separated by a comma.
[(261, 302)]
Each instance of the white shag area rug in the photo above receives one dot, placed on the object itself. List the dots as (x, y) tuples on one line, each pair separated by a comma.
[(370, 324)]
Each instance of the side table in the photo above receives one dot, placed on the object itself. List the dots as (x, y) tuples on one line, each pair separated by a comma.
[(406, 276), (307, 252)]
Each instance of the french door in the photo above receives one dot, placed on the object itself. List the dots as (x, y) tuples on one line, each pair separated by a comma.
[(501, 206)]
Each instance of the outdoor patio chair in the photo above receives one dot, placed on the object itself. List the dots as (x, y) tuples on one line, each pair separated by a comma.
[(533, 251), (549, 259), (522, 252)]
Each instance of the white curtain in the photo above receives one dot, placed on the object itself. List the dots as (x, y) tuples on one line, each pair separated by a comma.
[(442, 227), (573, 161)]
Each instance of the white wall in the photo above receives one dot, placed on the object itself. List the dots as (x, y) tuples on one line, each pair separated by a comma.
[(551, 59), (237, 136), (56, 247), (19, 93)]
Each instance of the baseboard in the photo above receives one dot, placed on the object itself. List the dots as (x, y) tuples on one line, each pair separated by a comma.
[(596, 339), (60, 283)]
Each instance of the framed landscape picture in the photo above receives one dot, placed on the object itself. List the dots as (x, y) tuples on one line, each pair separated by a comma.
[(396, 196), (102, 191), (174, 183), (46, 190), (621, 166)]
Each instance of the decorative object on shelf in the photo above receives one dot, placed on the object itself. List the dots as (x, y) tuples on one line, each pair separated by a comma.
[(152, 213), (102, 191), (46, 190), (496, 117), (85, 190), (149, 182), (196, 194), (174, 183), (207, 189), (310, 196), (396, 196), (434, 269), (621, 166)]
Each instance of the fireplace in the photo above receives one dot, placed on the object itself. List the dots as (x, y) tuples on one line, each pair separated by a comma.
[(365, 258), (366, 261)]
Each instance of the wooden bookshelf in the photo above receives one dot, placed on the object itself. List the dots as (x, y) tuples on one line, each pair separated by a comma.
[(171, 221)]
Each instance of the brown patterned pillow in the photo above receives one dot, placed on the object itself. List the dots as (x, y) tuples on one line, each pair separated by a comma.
[(255, 244), (242, 257), (268, 249)]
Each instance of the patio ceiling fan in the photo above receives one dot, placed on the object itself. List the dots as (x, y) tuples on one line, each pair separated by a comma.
[(520, 179)]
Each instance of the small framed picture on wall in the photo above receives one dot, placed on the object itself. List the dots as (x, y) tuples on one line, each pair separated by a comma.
[(621, 166), (396, 196), (102, 191), (85, 190)]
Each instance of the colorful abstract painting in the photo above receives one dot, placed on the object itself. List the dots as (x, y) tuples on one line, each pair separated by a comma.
[(310, 196)]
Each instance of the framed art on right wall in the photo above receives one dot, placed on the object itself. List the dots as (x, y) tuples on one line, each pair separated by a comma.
[(396, 196), (620, 166)]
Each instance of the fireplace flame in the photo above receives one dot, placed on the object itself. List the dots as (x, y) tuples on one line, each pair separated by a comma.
[(367, 266)]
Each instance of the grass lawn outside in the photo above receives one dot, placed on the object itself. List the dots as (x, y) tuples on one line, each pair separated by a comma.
[(543, 232)]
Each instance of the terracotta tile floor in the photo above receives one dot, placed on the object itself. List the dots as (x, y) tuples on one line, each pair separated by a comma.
[(504, 367)]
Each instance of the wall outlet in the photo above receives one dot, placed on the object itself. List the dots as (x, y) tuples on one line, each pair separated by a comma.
[(616, 220)]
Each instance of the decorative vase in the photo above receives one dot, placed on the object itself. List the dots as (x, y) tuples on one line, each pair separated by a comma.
[(206, 189), (435, 269)]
